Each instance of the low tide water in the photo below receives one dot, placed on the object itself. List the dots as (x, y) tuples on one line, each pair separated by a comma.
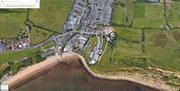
[(71, 76)]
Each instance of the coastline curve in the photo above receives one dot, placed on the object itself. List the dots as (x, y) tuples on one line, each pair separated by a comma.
[(44, 67)]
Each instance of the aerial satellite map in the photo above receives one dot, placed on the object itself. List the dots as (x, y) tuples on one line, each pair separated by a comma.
[(89, 45)]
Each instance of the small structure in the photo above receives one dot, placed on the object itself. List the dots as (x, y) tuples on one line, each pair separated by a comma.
[(4, 88), (2, 47), (152, 1)]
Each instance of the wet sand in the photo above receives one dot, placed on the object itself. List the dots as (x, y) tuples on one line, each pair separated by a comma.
[(71, 76)]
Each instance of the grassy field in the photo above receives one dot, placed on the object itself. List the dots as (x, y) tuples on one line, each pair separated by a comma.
[(138, 14), (153, 16), (173, 13), (139, 10), (163, 49), (118, 15), (11, 56), (128, 34), (176, 35), (38, 35), (52, 13), (119, 61), (11, 23), (121, 51), (123, 14)]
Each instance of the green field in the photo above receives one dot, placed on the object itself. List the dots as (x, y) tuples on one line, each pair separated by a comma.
[(163, 49), (118, 16), (123, 13), (125, 47), (139, 10), (173, 13), (11, 23), (38, 35), (153, 17), (123, 58), (176, 35), (16, 55), (52, 14), (128, 34)]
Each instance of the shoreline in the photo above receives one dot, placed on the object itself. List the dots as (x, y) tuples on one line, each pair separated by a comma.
[(44, 67)]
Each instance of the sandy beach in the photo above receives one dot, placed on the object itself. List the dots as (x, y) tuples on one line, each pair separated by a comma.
[(78, 61)]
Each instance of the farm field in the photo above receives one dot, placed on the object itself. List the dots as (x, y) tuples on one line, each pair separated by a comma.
[(161, 47), (54, 20), (11, 23)]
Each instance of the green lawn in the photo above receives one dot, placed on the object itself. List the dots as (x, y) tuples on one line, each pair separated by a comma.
[(140, 15), (49, 45), (38, 35), (173, 13), (128, 34), (11, 56), (11, 23), (121, 59), (123, 14), (176, 35), (52, 13), (153, 17), (139, 10), (118, 15), (163, 49), (122, 51)]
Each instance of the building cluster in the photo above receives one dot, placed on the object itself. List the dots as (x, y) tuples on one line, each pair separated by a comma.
[(86, 14), (76, 43), (19, 44)]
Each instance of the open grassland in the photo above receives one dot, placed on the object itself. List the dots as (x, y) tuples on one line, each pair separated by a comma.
[(123, 12), (128, 34), (52, 14), (118, 16), (139, 10), (173, 13), (138, 14), (38, 35), (153, 16), (176, 35), (124, 57), (16, 55), (11, 23), (163, 49)]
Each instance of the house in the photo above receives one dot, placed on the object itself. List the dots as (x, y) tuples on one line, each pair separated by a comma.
[(152, 1), (2, 46)]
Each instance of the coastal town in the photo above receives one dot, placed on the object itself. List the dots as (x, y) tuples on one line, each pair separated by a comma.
[(133, 36)]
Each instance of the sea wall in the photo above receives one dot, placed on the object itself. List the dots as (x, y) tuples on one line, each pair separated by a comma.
[(39, 69)]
